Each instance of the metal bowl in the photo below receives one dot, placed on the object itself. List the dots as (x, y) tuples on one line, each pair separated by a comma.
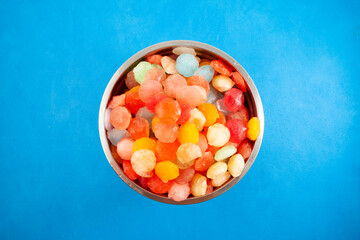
[(117, 85)]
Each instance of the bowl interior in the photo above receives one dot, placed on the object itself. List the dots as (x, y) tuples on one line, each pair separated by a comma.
[(117, 86)]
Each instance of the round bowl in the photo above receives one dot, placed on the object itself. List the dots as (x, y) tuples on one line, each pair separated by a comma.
[(117, 85)]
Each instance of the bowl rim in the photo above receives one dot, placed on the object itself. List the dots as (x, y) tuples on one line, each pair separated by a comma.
[(139, 55)]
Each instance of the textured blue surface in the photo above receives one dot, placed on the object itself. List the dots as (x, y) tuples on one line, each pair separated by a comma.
[(56, 58)]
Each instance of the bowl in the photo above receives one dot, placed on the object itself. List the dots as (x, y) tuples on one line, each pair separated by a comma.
[(117, 86)]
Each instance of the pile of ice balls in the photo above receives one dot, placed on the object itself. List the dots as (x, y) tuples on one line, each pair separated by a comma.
[(181, 128)]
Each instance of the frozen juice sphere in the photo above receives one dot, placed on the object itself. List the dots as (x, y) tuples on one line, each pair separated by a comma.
[(154, 100), (145, 113), (115, 135), (218, 135), (130, 81), (166, 171), (138, 128), (182, 50), (179, 192), (188, 133), (242, 114), (221, 67), (144, 143), (239, 81), (166, 133), (234, 99), (124, 148), (140, 70), (253, 126), (237, 130), (128, 170), (166, 151), (213, 95), (143, 182), (198, 185), (210, 112), (245, 149), (133, 101), (204, 162), (202, 143), (222, 83), (120, 118), (186, 175), (225, 152), (155, 74), (143, 162), (216, 170), (173, 83), (107, 123), (209, 188), (205, 71), (157, 186), (199, 81), (236, 165), (169, 65), (148, 89), (187, 64), (185, 113), (168, 111), (191, 95), (221, 118), (197, 118), (117, 101), (220, 105), (219, 181), (154, 59), (188, 152)]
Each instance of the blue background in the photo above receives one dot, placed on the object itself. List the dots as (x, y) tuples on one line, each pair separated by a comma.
[(57, 58)]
